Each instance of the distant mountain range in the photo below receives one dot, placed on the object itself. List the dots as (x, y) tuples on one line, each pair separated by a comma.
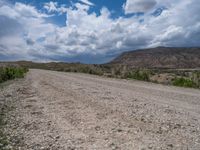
[(160, 57)]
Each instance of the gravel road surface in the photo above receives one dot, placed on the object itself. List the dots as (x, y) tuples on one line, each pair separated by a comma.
[(71, 111)]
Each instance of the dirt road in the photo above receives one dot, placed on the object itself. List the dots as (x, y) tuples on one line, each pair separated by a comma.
[(68, 111)]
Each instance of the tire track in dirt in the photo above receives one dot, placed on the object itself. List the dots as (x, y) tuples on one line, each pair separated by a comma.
[(77, 111)]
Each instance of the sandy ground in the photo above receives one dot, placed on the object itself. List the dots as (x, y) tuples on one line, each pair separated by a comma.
[(68, 111)]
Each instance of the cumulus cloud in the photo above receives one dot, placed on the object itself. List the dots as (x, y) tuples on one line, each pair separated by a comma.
[(25, 32), (53, 7), (134, 6), (20, 28)]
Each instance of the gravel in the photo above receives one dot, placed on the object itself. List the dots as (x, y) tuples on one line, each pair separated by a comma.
[(69, 111)]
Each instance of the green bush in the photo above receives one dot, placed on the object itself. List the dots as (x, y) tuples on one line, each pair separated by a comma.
[(8, 73), (85, 69), (196, 78), (138, 75), (183, 82)]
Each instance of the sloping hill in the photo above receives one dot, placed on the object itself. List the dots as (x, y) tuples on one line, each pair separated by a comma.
[(160, 57)]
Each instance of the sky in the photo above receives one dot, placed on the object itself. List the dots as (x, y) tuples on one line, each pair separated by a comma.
[(94, 31)]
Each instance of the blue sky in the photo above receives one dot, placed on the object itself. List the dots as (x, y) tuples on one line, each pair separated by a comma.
[(94, 31), (114, 6)]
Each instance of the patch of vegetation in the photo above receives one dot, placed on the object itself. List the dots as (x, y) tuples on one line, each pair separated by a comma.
[(196, 78), (85, 69), (184, 82), (8, 73), (142, 75), (191, 77)]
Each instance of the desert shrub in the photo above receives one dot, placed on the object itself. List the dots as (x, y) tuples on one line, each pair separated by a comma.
[(196, 78), (116, 72), (89, 69), (8, 73), (184, 82), (96, 71), (138, 75)]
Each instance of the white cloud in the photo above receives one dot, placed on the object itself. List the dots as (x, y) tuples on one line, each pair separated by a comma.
[(25, 33), (134, 6), (21, 27), (27, 11), (51, 6)]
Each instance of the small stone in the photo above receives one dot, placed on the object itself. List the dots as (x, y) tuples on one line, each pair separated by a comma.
[(97, 128), (170, 145), (119, 130)]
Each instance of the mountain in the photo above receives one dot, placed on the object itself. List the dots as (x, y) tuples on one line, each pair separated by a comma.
[(160, 57)]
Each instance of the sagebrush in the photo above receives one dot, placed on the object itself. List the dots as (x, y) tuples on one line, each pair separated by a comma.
[(8, 73)]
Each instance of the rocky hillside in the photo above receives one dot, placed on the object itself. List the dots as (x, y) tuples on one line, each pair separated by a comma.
[(160, 57)]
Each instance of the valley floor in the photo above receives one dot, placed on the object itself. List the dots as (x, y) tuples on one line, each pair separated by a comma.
[(56, 110)]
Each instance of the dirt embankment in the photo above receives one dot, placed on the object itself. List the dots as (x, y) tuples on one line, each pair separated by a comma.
[(54, 110)]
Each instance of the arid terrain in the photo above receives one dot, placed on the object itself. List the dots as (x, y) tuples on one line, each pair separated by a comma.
[(71, 111), (161, 57)]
